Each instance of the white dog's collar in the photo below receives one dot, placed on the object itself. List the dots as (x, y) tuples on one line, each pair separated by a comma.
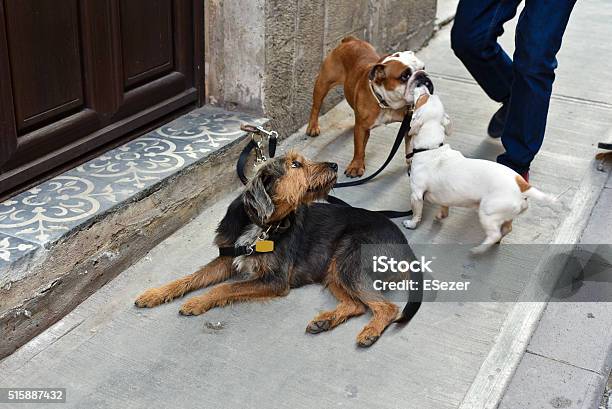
[(415, 151)]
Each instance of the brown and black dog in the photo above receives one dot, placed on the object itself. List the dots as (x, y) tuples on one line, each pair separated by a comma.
[(374, 86), (313, 243)]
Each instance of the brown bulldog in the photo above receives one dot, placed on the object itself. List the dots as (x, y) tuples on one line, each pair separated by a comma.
[(374, 86)]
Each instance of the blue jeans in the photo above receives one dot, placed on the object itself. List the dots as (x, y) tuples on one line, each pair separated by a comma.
[(525, 83)]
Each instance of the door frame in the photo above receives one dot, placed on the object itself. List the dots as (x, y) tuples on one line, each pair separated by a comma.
[(7, 121), (130, 127), (198, 52)]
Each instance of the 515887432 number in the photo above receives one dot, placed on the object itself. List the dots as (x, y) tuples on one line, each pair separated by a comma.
[(32, 395)]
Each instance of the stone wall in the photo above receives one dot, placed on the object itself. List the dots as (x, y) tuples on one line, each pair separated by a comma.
[(235, 53), (263, 55)]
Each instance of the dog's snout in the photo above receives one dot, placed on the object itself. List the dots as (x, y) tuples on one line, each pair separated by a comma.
[(333, 166), (421, 78)]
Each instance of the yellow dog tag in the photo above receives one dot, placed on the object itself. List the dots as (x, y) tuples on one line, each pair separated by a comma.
[(264, 246)]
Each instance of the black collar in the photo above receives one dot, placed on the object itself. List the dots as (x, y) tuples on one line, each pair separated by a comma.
[(415, 151), (268, 232), (236, 251)]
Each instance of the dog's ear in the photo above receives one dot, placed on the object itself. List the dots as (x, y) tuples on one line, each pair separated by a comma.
[(415, 123), (447, 124), (257, 202), (377, 73)]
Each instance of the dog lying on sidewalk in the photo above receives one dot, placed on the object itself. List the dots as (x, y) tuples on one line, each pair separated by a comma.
[(445, 177), (273, 238), (374, 87)]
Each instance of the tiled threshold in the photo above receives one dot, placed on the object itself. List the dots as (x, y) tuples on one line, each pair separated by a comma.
[(63, 239)]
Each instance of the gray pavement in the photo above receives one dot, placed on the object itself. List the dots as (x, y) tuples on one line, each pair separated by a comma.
[(568, 360), (445, 11), (110, 354)]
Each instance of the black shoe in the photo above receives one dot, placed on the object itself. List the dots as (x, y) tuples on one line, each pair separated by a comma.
[(497, 123)]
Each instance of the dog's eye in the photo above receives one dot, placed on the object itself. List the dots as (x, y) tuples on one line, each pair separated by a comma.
[(406, 75), (296, 164)]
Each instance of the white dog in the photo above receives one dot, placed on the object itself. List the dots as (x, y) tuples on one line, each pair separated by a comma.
[(444, 176)]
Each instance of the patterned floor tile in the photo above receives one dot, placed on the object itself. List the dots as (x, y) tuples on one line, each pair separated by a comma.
[(205, 129), (128, 169), (48, 210), (12, 249), (52, 209)]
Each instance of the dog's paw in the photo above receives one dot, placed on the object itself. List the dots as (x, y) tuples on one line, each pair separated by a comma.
[(410, 224), (315, 327), (442, 213), (367, 337), (313, 129), (151, 298), (355, 169), (480, 249), (193, 306)]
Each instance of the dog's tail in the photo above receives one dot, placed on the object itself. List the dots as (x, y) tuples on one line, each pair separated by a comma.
[(531, 192), (415, 298), (536, 194)]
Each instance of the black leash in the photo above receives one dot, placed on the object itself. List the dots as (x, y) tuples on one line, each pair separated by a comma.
[(242, 159), (257, 145), (391, 214), (404, 128)]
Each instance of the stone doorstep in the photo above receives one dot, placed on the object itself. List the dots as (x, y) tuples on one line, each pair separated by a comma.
[(63, 239)]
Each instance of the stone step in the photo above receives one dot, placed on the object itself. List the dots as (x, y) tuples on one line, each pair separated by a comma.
[(63, 239)]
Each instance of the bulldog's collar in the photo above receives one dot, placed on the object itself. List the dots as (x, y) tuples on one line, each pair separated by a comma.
[(381, 101)]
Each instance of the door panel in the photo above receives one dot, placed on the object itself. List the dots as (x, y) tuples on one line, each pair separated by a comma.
[(146, 37), (45, 60), (148, 69), (82, 73)]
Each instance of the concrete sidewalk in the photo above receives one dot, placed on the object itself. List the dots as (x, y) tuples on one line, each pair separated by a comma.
[(569, 356), (107, 353)]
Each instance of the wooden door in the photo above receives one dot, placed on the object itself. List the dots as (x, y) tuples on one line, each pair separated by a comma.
[(76, 75)]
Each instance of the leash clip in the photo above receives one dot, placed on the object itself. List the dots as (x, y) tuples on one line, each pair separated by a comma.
[(258, 136), (271, 137), (264, 234), (270, 134), (260, 156)]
